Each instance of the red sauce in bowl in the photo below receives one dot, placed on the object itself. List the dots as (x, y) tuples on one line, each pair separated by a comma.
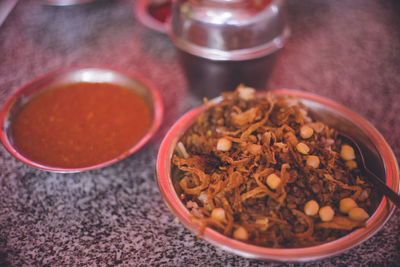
[(80, 124), (160, 11)]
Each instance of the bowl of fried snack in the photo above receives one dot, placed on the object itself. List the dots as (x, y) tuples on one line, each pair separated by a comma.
[(265, 174)]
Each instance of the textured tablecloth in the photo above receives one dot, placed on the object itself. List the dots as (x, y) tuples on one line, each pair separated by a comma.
[(347, 50)]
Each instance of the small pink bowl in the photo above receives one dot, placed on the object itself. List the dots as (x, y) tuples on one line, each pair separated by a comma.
[(380, 159), (140, 85), (143, 13)]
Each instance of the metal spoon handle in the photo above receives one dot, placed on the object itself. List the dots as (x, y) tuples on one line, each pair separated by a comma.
[(380, 185), (395, 198)]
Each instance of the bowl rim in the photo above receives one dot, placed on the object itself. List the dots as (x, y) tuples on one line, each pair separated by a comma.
[(383, 212), (143, 15), (158, 111)]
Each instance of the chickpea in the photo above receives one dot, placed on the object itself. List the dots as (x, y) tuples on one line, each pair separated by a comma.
[(347, 152), (218, 214), (326, 213), (302, 148), (351, 164), (311, 208), (273, 181), (255, 149), (224, 144), (346, 204), (246, 93), (358, 214), (306, 132), (240, 233), (263, 223), (317, 126), (313, 161)]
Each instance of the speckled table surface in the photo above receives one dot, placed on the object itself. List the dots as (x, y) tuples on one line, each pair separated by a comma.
[(344, 50)]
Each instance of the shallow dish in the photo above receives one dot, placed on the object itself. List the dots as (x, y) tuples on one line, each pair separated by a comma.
[(143, 88), (153, 13), (380, 159)]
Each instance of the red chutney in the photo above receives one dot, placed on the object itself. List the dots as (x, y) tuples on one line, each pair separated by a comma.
[(160, 11), (80, 124)]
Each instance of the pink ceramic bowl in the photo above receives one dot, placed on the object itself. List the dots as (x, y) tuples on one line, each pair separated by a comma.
[(380, 159), (140, 85)]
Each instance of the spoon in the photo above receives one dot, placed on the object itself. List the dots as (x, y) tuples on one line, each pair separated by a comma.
[(393, 196)]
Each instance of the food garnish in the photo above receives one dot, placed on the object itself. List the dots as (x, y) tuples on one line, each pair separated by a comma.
[(261, 170)]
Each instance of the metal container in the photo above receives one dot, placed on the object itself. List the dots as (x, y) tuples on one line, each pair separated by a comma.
[(21, 97), (226, 42), (379, 158)]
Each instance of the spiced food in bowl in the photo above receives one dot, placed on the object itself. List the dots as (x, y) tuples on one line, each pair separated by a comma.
[(267, 176)]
